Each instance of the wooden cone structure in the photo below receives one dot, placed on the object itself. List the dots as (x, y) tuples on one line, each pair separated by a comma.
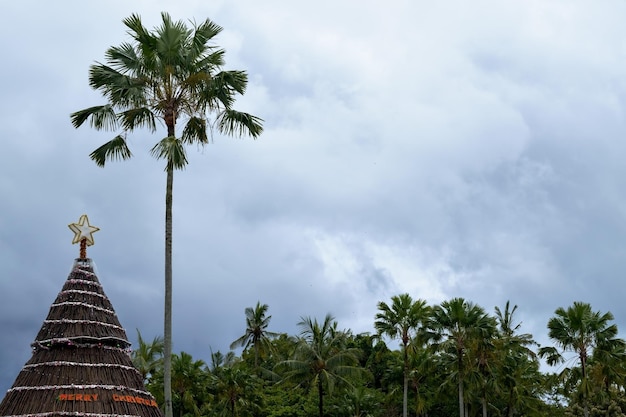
[(81, 363)]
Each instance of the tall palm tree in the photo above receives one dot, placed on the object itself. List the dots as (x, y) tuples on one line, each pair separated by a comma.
[(401, 320), (459, 323), (189, 381), (483, 361), (421, 367), (256, 334), (580, 330), (171, 74), (322, 358), (148, 356), (515, 356)]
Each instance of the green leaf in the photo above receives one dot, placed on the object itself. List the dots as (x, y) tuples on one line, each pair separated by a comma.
[(172, 150), (195, 131), (138, 117), (115, 149), (102, 117), (237, 123)]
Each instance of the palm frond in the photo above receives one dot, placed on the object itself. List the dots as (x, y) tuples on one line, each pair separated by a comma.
[(172, 42), (551, 354), (137, 29), (145, 41), (138, 117), (102, 117), (195, 131), (234, 80), (172, 150), (223, 87), (124, 58), (196, 81), (212, 61), (232, 122), (203, 33), (122, 90), (115, 149)]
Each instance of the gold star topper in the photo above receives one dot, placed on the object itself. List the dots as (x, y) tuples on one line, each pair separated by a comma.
[(83, 234)]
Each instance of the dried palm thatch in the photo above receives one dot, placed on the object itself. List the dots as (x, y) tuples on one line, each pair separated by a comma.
[(81, 364)]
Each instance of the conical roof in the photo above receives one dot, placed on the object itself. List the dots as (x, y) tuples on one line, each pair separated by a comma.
[(81, 363)]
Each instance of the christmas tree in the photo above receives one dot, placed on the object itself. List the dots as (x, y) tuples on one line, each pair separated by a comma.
[(81, 363)]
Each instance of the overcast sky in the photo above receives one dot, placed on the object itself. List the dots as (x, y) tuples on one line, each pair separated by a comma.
[(444, 149)]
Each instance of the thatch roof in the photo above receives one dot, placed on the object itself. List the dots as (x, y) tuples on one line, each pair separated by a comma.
[(81, 363)]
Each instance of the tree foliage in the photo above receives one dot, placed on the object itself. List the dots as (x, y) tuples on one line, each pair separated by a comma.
[(459, 352)]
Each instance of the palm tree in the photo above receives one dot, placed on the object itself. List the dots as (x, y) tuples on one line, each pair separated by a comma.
[(236, 392), (322, 358), (608, 364), (459, 323), (256, 334), (580, 330), (401, 320), (483, 360), (171, 74), (508, 330), (220, 361), (421, 367), (148, 356), (515, 355), (189, 381)]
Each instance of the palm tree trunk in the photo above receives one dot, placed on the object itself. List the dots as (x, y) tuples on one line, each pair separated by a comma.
[(320, 390), (167, 325), (484, 404), (405, 394), (510, 408), (460, 377), (461, 405), (583, 363), (256, 356)]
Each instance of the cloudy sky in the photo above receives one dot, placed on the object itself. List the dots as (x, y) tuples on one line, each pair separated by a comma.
[(444, 149)]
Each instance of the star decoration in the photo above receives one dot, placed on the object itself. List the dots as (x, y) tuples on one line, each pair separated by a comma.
[(83, 230)]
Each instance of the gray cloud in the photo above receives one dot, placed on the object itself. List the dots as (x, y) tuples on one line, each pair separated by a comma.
[(474, 151)]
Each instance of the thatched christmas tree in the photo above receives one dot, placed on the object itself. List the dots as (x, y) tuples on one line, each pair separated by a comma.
[(81, 363)]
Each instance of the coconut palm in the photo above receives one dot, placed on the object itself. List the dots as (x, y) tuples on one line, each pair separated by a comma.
[(148, 356), (173, 75), (321, 359), (220, 361), (459, 324), (517, 360), (483, 363), (256, 334), (189, 381), (236, 392), (580, 330), (401, 320)]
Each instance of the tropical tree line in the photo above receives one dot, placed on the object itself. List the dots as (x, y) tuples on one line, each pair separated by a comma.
[(453, 358)]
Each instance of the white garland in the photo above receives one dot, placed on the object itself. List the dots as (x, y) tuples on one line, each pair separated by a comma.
[(83, 281), (76, 303), (115, 326), (67, 341), (83, 270), (93, 365), (81, 387), (97, 294)]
